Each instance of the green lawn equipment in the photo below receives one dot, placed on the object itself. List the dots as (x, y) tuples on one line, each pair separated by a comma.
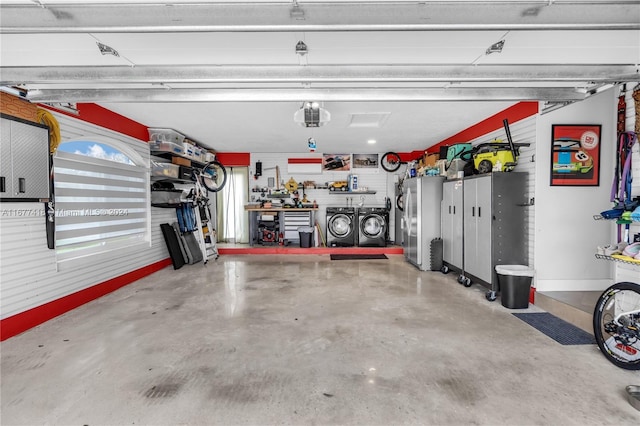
[(497, 154)]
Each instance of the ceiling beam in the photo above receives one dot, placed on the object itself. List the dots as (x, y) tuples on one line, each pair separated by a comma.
[(317, 74), (301, 95), (131, 17)]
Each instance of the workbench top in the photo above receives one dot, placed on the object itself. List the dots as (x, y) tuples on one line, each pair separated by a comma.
[(279, 209)]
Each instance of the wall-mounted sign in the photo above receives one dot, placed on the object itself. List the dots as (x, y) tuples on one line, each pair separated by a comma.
[(575, 154)]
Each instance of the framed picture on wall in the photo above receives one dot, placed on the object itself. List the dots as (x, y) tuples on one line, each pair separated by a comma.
[(575, 154), (336, 162), (365, 161)]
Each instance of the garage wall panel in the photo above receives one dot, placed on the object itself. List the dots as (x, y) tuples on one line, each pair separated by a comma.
[(29, 277), (374, 179)]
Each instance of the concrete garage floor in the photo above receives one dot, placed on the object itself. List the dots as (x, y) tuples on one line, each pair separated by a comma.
[(304, 340)]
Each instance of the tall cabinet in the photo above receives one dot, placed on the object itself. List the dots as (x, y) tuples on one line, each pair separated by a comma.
[(24, 160), (494, 224), (451, 214)]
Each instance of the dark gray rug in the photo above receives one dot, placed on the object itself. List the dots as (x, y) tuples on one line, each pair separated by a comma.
[(556, 328), (357, 256)]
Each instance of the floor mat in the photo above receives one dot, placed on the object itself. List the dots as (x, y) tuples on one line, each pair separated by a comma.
[(357, 256), (556, 328)]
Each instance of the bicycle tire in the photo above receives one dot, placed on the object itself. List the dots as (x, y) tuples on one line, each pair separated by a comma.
[(620, 343), (390, 161), (213, 176)]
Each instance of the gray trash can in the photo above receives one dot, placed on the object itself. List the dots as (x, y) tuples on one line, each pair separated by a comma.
[(515, 285), (306, 236)]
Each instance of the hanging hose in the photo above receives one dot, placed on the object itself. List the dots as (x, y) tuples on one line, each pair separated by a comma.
[(46, 118)]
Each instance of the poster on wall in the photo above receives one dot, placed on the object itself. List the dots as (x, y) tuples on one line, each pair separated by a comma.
[(575, 154), (365, 161), (336, 162)]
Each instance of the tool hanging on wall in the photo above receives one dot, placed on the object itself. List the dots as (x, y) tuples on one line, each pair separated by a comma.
[(622, 110), (636, 99)]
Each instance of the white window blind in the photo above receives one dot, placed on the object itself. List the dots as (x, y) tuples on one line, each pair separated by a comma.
[(101, 205)]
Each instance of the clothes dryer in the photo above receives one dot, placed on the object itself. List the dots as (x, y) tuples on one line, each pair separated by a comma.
[(373, 226), (341, 226)]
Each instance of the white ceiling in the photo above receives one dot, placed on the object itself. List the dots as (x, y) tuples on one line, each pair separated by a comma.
[(226, 74)]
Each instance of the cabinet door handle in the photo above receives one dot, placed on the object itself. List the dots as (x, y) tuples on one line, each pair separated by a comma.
[(2, 184), (21, 185), (454, 209), (473, 211), (479, 211)]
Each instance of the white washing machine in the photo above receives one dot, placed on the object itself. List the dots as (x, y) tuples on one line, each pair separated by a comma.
[(373, 226), (341, 226)]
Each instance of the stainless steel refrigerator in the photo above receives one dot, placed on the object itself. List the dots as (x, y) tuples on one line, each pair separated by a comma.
[(421, 218)]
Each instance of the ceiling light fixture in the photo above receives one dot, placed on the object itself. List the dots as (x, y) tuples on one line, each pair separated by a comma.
[(371, 141), (495, 48), (311, 115)]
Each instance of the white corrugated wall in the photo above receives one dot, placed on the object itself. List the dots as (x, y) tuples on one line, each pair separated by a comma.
[(523, 131), (28, 276), (373, 179)]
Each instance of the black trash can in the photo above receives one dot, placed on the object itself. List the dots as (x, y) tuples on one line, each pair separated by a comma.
[(515, 285), (306, 236)]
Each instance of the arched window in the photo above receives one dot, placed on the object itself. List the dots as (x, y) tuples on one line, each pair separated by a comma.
[(101, 193)]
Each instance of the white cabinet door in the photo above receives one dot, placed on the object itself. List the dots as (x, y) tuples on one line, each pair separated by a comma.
[(452, 223)]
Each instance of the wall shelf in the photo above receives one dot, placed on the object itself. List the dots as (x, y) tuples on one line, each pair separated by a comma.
[(169, 155), (617, 259), (352, 192)]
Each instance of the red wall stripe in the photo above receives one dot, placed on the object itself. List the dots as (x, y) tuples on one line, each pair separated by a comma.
[(304, 161), (23, 321), (514, 113), (234, 159), (95, 114)]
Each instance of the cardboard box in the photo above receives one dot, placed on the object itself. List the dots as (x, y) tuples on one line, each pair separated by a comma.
[(181, 161), (429, 160)]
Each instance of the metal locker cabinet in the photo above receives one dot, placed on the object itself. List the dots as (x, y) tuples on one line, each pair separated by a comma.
[(25, 160), (452, 223), (494, 222)]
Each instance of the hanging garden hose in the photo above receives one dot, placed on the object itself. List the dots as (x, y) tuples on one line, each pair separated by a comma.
[(46, 118)]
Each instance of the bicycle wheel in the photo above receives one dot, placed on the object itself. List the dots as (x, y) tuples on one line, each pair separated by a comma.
[(390, 161), (213, 176), (616, 325)]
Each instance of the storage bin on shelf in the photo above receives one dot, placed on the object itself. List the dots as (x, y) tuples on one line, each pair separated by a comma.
[(164, 146), (165, 170), (166, 135)]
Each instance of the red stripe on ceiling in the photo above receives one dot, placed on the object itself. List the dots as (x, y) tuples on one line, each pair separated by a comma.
[(305, 160), (514, 113), (234, 159), (23, 321), (95, 114)]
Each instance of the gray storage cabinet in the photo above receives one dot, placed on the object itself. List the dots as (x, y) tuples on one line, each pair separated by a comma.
[(494, 224), (24, 160), (452, 222)]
